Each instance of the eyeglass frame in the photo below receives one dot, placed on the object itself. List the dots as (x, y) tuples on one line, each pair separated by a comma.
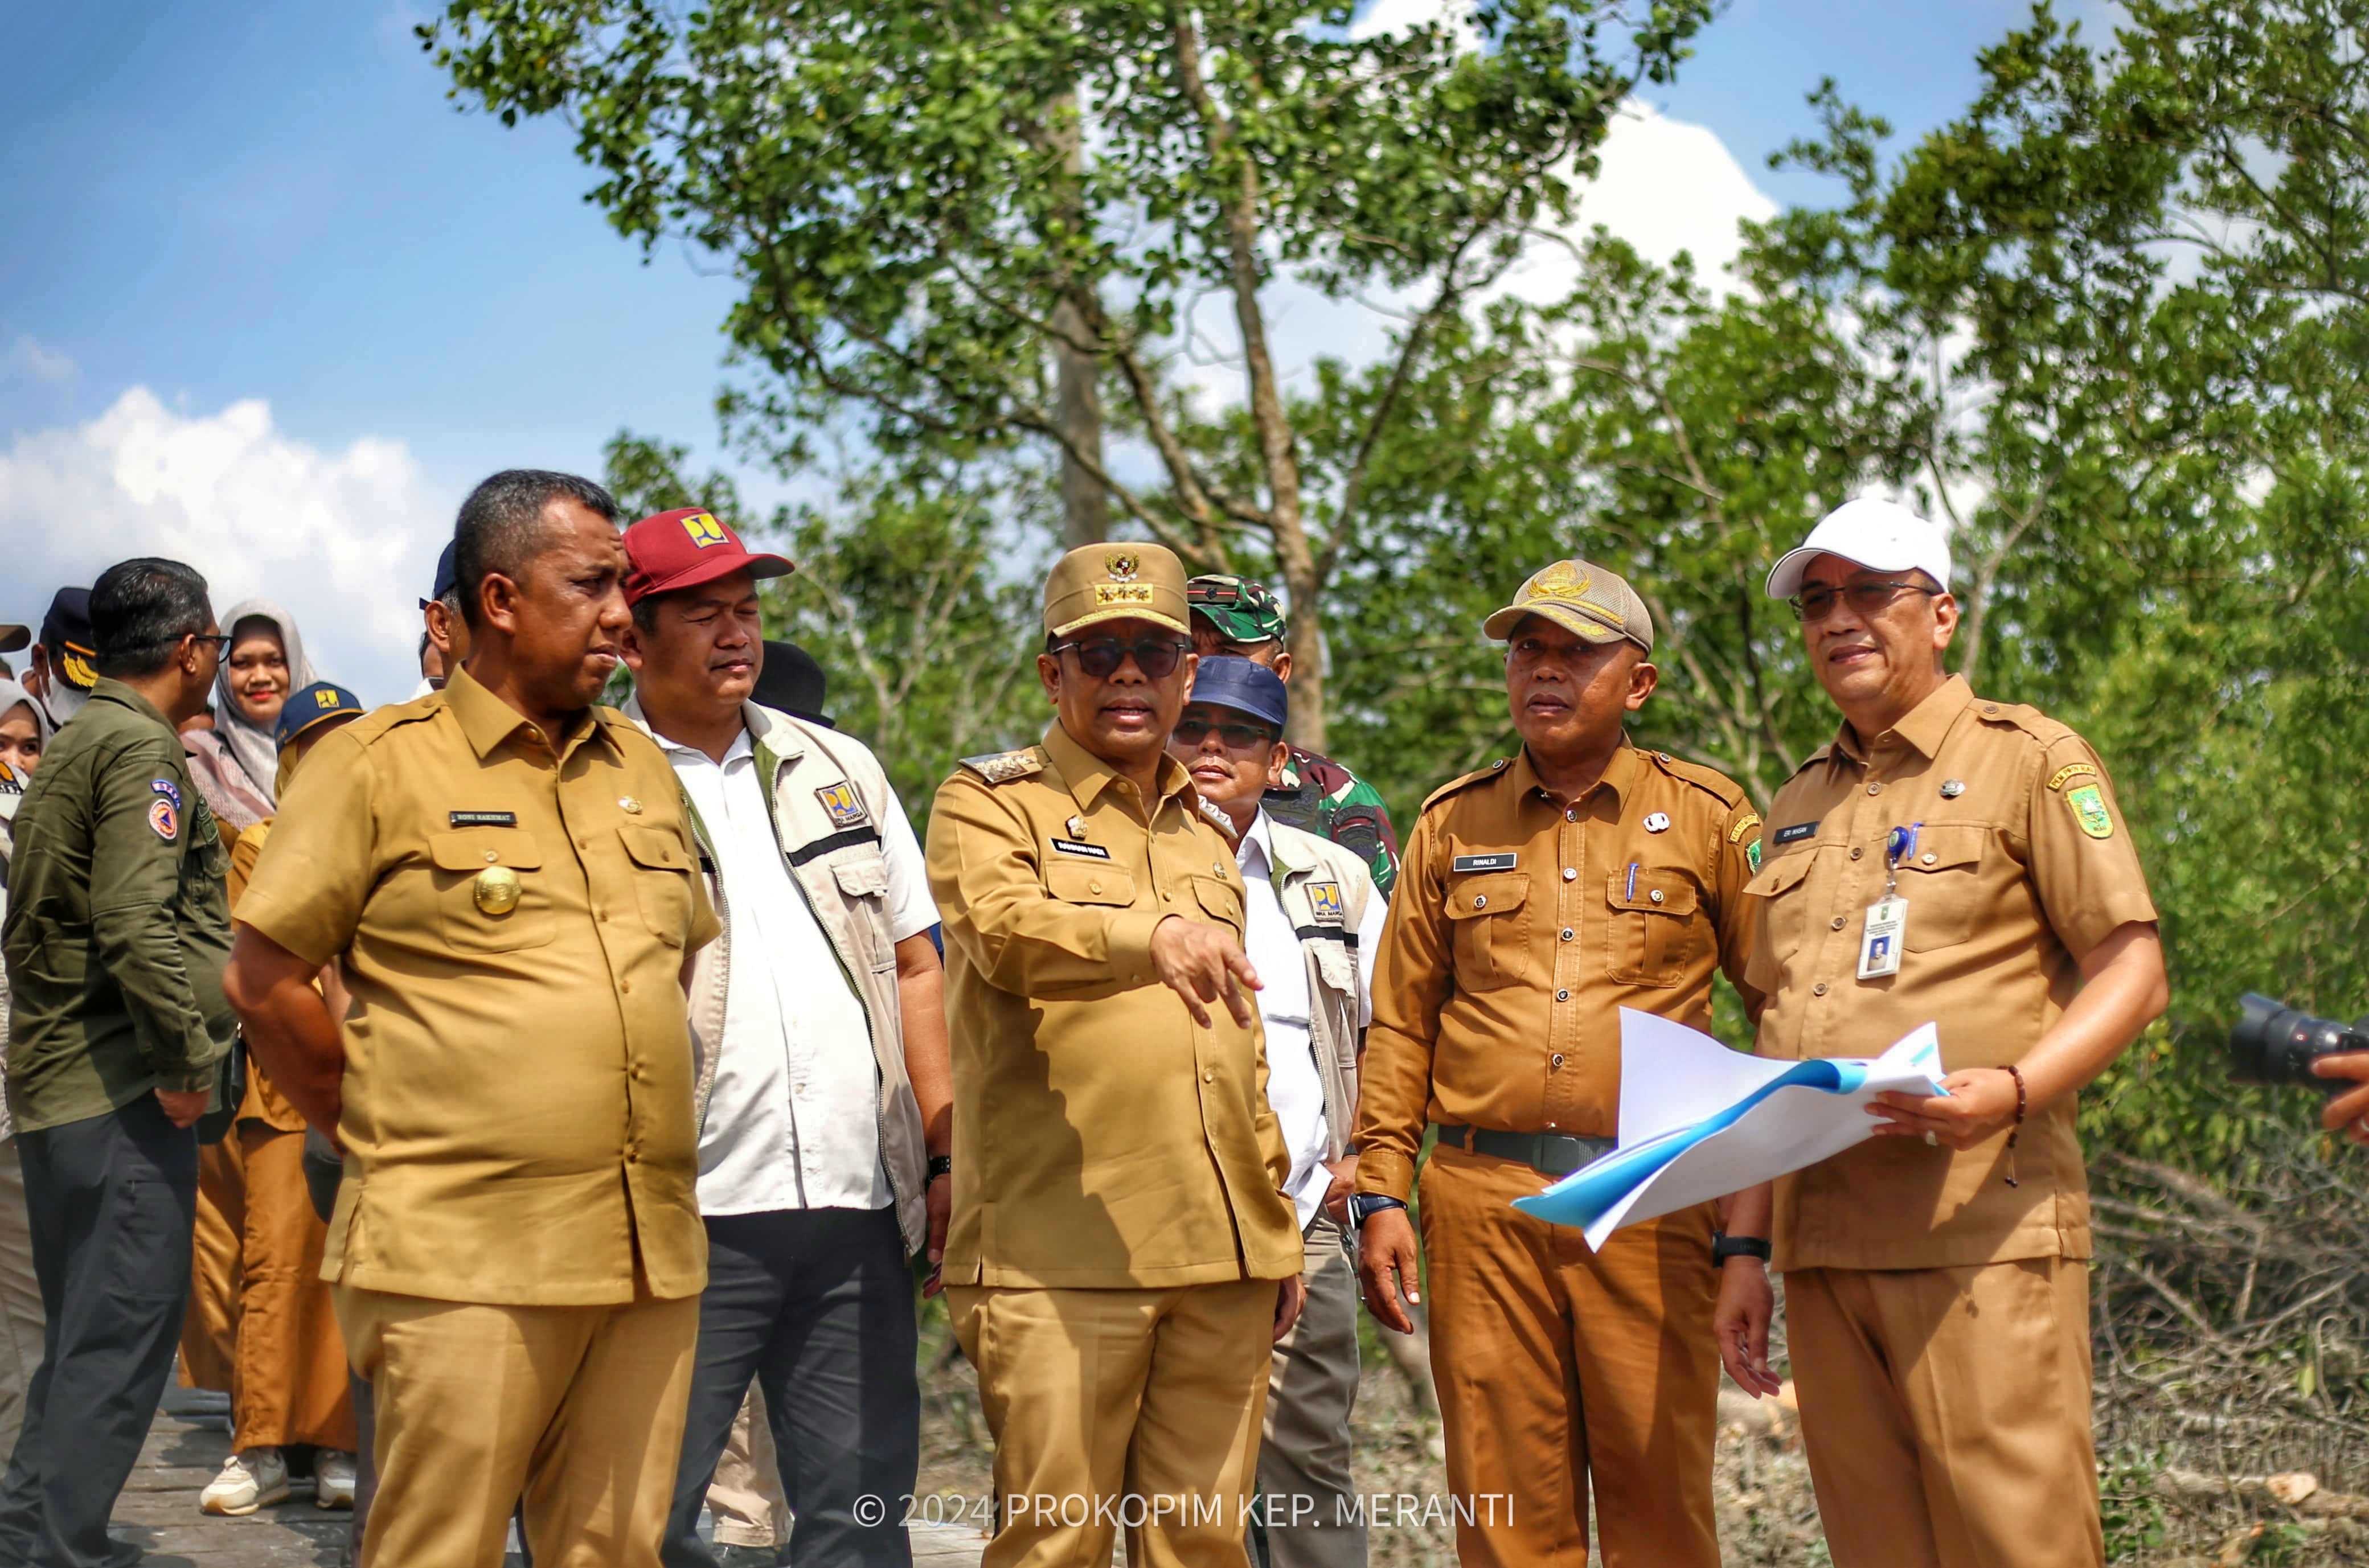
[(1799, 604)]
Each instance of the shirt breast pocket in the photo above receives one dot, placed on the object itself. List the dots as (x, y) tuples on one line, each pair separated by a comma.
[(507, 912), (1077, 882), (662, 872), (1943, 884), (1222, 902), (1652, 932), (1785, 905), (1491, 925)]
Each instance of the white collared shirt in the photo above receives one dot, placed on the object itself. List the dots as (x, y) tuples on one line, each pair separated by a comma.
[(794, 1121), (1295, 1089)]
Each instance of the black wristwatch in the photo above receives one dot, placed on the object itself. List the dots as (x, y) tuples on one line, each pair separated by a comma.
[(1724, 1247), (1364, 1206), (940, 1165)]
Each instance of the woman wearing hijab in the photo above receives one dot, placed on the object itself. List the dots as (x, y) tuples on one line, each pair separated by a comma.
[(236, 762), (25, 734)]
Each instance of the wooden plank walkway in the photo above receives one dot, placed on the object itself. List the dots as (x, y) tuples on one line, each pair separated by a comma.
[(188, 1444)]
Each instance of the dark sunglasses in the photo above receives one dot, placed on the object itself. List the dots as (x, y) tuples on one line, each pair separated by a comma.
[(1865, 597), (1237, 736), (1156, 657)]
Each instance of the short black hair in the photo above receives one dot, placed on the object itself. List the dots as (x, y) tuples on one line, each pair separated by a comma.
[(140, 611), (500, 525)]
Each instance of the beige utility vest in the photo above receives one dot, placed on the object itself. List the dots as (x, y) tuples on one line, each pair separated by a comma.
[(1324, 890), (827, 794)]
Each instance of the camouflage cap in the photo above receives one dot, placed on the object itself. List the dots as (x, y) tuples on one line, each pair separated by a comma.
[(1585, 599), (1242, 610), (1111, 582)]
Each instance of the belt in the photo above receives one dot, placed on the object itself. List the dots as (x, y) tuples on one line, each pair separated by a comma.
[(1549, 1153)]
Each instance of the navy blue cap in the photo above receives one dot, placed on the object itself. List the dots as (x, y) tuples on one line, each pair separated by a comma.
[(67, 634), (310, 705), (1242, 684), (448, 574)]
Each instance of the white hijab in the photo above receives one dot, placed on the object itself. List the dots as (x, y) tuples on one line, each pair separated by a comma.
[(250, 745)]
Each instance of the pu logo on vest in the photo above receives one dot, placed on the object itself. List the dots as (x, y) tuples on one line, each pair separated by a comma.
[(1324, 902), (841, 802)]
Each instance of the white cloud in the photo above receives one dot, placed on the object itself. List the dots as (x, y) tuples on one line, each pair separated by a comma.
[(347, 540), (40, 361)]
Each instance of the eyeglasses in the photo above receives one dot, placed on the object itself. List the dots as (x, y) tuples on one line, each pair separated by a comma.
[(1865, 597), (1156, 657), (220, 641), (1237, 736)]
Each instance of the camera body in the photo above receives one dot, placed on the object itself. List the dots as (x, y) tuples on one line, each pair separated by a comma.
[(2271, 1043)]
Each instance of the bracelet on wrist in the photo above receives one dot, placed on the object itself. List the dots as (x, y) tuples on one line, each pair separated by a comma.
[(940, 1165), (1724, 1247)]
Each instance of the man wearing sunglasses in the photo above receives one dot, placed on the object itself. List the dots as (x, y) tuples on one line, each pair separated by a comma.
[(1314, 921), (1121, 1254), (1961, 862), (1237, 618), (1540, 897)]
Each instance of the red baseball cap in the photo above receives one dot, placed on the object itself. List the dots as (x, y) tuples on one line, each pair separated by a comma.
[(685, 548)]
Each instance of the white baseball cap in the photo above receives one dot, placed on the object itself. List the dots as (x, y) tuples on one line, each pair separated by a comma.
[(1882, 536)]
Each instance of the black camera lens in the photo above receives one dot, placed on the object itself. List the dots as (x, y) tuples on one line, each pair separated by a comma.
[(2271, 1043)]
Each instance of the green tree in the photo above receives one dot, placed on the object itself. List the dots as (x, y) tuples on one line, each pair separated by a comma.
[(970, 223)]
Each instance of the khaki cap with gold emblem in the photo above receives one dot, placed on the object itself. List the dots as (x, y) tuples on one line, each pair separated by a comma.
[(1111, 582), (1585, 599)]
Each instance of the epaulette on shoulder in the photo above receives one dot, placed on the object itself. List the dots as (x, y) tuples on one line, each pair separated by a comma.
[(391, 717), (1710, 781), (1002, 767), (2042, 730), (1452, 785)]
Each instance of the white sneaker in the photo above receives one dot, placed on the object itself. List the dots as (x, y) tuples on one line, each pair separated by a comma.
[(252, 1479), (333, 1479)]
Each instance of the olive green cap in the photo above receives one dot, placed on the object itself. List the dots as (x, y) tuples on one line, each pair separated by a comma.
[(1586, 601), (1112, 582)]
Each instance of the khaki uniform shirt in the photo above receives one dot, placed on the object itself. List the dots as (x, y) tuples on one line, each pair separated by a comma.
[(1103, 1140), (1520, 929), (517, 1121), (2022, 866)]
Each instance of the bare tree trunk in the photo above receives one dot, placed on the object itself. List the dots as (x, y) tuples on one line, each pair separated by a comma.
[(1085, 505)]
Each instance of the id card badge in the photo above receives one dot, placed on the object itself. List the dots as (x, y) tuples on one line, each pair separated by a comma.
[(1879, 944)]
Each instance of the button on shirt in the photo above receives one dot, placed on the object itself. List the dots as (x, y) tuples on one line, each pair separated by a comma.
[(794, 1118), (517, 1089), (1295, 1089)]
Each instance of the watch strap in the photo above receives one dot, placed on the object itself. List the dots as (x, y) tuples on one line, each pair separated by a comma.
[(1724, 1247)]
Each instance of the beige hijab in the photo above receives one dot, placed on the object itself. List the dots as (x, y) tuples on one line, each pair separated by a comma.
[(250, 746)]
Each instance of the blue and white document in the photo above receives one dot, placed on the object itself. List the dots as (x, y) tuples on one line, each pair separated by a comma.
[(1699, 1121)]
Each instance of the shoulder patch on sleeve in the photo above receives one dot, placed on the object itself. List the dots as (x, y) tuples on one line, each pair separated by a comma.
[(2070, 772), (164, 818), (1452, 785), (1746, 826), (1002, 767)]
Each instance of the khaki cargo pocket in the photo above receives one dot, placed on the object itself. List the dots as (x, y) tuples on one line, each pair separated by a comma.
[(662, 872), (863, 882), (1788, 917), (460, 857), (1651, 933), (1943, 884), (1491, 927)]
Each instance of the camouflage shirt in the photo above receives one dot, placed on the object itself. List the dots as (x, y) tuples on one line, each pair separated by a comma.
[(1318, 795)]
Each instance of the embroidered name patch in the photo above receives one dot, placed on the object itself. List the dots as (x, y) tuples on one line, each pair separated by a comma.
[(1482, 863), (846, 808), (1794, 834), (1070, 846), (481, 819)]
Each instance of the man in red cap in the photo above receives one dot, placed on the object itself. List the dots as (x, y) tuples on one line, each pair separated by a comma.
[(824, 1099)]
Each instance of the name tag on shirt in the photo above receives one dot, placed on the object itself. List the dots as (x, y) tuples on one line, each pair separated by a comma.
[(1794, 834), (1879, 943), (1070, 846), (1483, 863), (484, 818)]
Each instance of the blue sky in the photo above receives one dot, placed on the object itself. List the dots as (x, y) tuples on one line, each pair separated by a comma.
[(346, 300)]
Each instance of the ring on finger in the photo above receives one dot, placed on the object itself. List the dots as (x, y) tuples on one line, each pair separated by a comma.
[(1931, 1141)]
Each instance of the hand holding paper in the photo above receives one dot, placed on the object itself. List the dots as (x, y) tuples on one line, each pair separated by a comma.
[(1699, 1121)]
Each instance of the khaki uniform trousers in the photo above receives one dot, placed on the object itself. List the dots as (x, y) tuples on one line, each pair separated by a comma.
[(20, 1298), (1559, 1368), (1308, 1505), (746, 1496), (1123, 1408), (579, 1410), (291, 1385), (209, 1322), (1946, 1413)]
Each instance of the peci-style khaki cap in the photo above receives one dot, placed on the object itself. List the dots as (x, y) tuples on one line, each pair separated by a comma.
[(1111, 582), (1590, 603)]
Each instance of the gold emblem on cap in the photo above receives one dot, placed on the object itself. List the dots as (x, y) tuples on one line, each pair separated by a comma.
[(629, 806), (1122, 567), (1562, 580), (498, 890)]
